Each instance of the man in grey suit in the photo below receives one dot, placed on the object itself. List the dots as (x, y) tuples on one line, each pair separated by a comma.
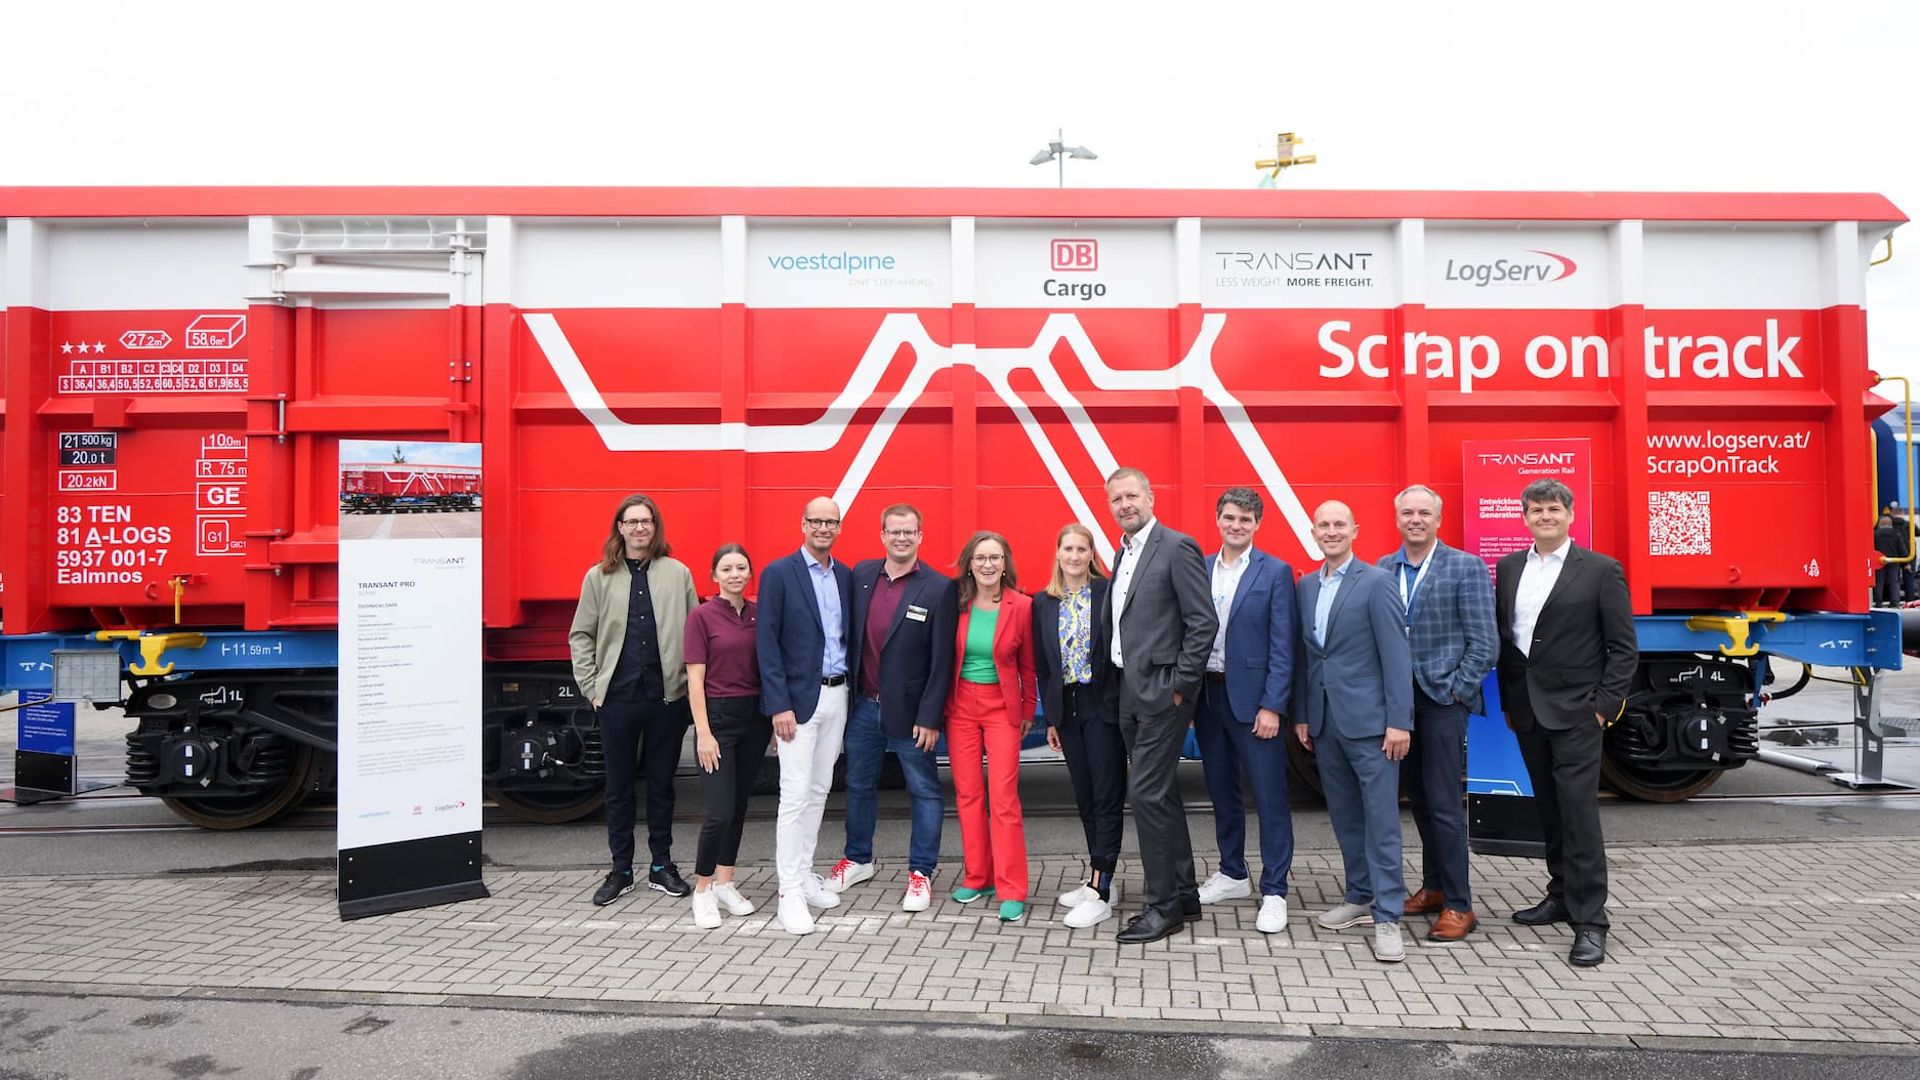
[(1353, 705), (1163, 624)]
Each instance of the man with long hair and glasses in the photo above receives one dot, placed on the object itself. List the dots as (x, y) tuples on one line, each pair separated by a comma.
[(627, 642)]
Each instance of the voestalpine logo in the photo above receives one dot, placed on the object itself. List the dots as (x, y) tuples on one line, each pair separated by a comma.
[(842, 262), (1546, 269)]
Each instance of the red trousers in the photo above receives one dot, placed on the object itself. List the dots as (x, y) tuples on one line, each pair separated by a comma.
[(993, 832)]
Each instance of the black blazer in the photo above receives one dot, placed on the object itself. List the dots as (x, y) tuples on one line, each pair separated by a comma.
[(1047, 665), (916, 656), (1167, 626), (1584, 649)]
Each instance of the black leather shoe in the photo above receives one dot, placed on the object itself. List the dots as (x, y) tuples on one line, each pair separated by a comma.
[(1149, 926), (1546, 912), (616, 886), (667, 879), (1589, 948)]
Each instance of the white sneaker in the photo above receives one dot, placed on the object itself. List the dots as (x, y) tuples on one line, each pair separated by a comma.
[(816, 893), (919, 892), (846, 873), (794, 917), (1339, 918), (1089, 913), (1078, 896), (1387, 947), (731, 900), (1220, 887), (1273, 915), (706, 910)]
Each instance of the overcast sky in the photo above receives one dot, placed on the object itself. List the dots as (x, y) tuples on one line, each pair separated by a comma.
[(1759, 95)]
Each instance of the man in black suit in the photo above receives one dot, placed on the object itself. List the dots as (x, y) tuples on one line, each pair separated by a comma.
[(1567, 657), (902, 656), (1163, 624)]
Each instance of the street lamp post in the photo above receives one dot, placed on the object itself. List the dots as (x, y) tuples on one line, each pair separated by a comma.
[(1059, 151)]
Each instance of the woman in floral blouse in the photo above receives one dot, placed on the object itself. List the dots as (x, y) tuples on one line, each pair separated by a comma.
[(1070, 647)]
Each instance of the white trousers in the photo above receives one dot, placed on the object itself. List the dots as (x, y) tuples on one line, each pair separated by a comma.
[(806, 775)]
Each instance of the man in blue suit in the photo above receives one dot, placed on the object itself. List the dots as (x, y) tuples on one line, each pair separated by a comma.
[(1353, 705), (806, 608), (1243, 702), (1448, 596)]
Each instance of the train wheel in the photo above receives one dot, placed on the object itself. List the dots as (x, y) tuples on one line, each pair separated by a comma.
[(1302, 769), (548, 806), (246, 811), (1662, 786)]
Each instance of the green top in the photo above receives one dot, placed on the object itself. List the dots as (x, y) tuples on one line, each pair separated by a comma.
[(978, 665)]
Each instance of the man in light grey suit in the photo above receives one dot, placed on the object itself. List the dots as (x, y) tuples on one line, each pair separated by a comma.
[(1353, 705), (1161, 611)]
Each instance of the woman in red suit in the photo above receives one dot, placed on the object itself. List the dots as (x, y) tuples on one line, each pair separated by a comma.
[(988, 713)]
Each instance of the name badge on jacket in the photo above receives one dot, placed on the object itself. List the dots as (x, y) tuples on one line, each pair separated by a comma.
[(916, 613)]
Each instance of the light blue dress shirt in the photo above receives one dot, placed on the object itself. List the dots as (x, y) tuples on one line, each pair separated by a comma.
[(1323, 604), (827, 591)]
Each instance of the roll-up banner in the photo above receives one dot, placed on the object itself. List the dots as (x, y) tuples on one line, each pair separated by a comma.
[(408, 821), (1501, 817)]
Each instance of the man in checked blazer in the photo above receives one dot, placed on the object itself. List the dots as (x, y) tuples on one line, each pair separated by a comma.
[(1448, 597), (1567, 656)]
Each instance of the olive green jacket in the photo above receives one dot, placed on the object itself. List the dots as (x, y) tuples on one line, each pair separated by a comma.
[(600, 624)]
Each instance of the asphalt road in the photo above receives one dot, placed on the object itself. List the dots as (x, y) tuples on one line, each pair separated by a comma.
[(60, 1038)]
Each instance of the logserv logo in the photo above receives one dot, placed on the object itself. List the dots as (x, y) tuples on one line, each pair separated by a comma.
[(1545, 270)]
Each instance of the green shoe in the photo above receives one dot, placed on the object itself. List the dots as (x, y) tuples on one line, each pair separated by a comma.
[(965, 895), (1013, 910)]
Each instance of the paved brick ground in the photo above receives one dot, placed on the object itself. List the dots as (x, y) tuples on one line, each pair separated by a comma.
[(1786, 941)]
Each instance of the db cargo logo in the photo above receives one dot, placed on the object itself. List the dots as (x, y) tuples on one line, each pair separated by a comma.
[(1545, 270), (1075, 255)]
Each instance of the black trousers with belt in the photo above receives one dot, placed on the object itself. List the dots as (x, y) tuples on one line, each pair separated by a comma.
[(642, 737), (1097, 765), (743, 735), (1564, 765)]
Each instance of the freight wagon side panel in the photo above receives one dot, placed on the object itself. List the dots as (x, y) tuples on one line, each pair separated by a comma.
[(136, 426)]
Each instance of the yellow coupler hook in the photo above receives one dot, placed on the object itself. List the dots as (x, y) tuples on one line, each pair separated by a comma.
[(152, 646), (1736, 626)]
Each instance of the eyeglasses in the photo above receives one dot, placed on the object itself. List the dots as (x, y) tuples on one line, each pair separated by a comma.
[(822, 523), (989, 560), (642, 523), (901, 534)]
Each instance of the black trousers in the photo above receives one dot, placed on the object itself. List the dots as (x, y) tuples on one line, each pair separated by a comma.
[(1565, 768), (1431, 776), (1886, 584), (1153, 785), (743, 735), (1097, 765), (649, 735)]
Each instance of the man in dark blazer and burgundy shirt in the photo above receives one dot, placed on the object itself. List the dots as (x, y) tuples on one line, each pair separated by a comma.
[(1567, 657)]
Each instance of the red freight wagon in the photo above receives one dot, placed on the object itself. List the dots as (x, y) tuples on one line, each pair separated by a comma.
[(181, 366), (398, 487)]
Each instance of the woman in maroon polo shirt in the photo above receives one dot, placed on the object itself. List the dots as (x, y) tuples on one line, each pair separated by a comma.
[(723, 683)]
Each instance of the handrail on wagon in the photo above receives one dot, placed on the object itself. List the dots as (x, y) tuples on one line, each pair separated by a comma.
[(1906, 448)]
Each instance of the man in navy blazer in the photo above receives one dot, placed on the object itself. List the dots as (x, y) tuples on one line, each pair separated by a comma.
[(1448, 597), (802, 635), (904, 620), (1353, 706), (1243, 705)]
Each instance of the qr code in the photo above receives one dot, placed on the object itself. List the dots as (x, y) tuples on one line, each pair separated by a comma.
[(1679, 523)]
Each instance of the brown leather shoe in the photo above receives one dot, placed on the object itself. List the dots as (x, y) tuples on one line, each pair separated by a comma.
[(1452, 925), (1425, 902)]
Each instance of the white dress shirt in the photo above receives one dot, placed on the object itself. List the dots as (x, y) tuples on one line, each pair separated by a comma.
[(1536, 583), (1130, 548), (1226, 582)]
